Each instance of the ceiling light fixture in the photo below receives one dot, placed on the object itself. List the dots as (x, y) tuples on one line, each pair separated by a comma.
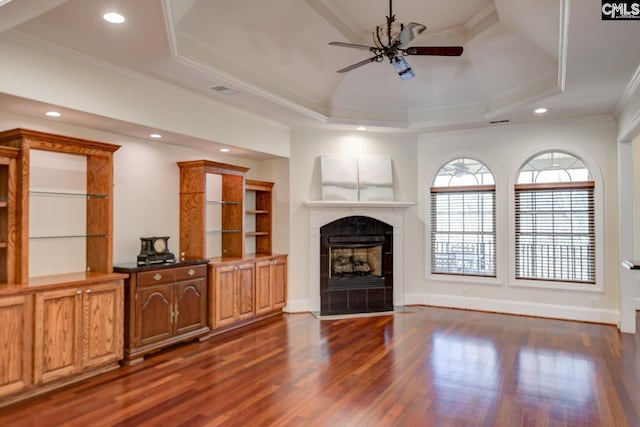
[(361, 128), (540, 110), (113, 17), (53, 114), (391, 40), (224, 150), (155, 136)]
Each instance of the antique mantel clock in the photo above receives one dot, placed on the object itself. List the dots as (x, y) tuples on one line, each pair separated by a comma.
[(154, 250)]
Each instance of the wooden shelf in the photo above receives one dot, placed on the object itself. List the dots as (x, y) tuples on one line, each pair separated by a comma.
[(256, 233), (257, 212)]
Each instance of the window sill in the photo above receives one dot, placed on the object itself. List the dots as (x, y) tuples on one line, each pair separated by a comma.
[(461, 278), (561, 286)]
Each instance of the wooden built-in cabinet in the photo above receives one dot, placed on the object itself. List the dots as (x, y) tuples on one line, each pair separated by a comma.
[(77, 329), (234, 293), (271, 281), (258, 216), (16, 337), (227, 219), (164, 304), (62, 326)]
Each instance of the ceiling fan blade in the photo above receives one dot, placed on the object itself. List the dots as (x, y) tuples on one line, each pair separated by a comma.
[(356, 46), (410, 32), (434, 50), (357, 64)]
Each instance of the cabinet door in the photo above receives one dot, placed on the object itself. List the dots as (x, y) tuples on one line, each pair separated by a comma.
[(58, 334), (15, 342), (244, 289), (103, 327), (263, 286), (225, 281), (155, 314), (279, 282), (190, 312)]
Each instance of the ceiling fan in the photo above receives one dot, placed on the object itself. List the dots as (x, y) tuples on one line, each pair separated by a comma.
[(391, 43)]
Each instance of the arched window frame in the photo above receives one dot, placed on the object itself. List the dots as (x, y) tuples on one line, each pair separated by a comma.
[(443, 262), (598, 221)]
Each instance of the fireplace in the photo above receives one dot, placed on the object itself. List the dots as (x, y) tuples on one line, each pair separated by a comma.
[(356, 266)]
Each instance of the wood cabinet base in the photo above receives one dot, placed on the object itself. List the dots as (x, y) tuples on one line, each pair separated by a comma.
[(55, 385), (136, 355)]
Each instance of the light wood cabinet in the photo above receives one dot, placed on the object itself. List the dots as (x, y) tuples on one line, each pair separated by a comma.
[(164, 304), (234, 293), (15, 343), (64, 325), (271, 284), (76, 329), (246, 282)]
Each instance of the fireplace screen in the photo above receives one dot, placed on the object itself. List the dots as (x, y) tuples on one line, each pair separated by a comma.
[(355, 261)]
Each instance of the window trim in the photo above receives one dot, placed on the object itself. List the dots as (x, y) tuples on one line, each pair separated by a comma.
[(493, 279), (598, 196)]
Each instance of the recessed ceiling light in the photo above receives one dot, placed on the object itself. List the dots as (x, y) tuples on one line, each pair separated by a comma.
[(361, 128), (155, 135), (224, 150), (113, 17), (53, 114), (540, 110)]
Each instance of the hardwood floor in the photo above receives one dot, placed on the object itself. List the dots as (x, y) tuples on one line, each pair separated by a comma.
[(428, 367)]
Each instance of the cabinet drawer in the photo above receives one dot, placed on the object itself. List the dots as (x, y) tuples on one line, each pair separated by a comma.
[(192, 272), (156, 277)]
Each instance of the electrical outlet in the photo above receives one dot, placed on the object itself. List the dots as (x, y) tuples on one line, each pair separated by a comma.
[(465, 292)]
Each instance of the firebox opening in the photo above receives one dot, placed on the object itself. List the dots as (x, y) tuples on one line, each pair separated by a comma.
[(356, 266), (355, 261)]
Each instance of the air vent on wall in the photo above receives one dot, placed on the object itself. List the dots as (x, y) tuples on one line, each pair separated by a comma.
[(224, 90)]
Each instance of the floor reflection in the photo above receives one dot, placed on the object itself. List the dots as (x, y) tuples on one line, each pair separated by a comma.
[(556, 376), (464, 369)]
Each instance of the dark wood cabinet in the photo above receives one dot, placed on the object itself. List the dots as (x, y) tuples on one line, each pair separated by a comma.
[(164, 304)]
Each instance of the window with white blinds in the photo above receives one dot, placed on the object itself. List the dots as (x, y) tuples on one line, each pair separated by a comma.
[(554, 220), (463, 220)]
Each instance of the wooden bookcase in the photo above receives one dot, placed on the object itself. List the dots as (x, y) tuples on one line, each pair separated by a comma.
[(99, 196), (198, 202), (66, 326), (259, 214), (246, 282), (8, 158)]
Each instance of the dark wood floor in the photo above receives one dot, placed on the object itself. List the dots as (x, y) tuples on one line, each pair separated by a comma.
[(428, 367)]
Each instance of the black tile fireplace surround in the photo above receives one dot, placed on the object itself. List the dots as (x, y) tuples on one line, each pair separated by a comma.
[(356, 266)]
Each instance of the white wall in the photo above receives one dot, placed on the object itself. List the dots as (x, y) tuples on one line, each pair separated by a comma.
[(147, 180), (306, 147), (504, 149)]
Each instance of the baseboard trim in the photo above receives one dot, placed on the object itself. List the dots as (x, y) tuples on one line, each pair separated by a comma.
[(555, 311), (297, 306)]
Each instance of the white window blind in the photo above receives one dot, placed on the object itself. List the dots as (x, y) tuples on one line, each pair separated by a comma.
[(555, 232), (463, 230)]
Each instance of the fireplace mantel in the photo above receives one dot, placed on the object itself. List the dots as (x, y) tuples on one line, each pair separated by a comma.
[(325, 211)]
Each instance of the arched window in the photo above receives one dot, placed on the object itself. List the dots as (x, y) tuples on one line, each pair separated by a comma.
[(463, 219), (555, 231)]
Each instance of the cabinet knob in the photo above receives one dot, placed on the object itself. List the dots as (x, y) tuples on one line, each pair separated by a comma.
[(191, 272), (88, 291), (79, 291), (157, 276)]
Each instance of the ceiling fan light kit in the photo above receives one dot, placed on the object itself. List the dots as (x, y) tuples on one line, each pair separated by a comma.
[(395, 48)]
